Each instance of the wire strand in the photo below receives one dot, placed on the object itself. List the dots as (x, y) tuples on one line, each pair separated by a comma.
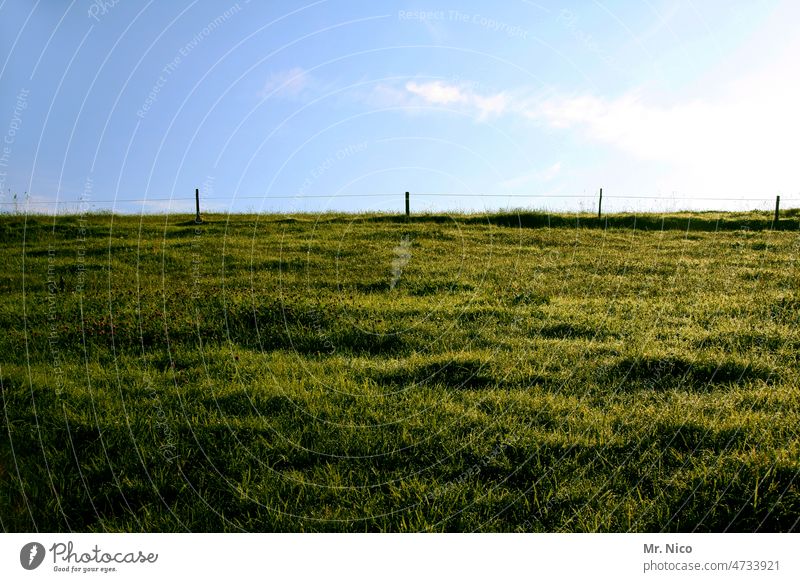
[(703, 198)]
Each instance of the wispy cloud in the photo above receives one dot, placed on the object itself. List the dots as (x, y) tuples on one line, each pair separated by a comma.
[(437, 92), (738, 137), (450, 94), (741, 137), (289, 83), (743, 140)]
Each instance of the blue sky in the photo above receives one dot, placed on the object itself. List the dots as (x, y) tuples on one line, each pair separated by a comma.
[(344, 105)]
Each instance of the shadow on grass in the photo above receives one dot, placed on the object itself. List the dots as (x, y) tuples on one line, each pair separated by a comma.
[(698, 221), (463, 373), (673, 371)]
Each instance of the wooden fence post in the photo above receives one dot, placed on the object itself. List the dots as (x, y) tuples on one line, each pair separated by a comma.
[(600, 205), (777, 209), (197, 218), (408, 208)]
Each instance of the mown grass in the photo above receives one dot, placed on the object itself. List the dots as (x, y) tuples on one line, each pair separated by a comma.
[(512, 372)]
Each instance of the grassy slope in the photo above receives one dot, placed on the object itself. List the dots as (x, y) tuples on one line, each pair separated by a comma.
[(261, 373)]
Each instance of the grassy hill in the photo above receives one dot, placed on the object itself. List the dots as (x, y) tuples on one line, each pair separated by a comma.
[(512, 372)]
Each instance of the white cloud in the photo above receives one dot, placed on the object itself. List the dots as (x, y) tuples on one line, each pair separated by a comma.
[(468, 100), (744, 141), (287, 83), (491, 105), (437, 92), (736, 139)]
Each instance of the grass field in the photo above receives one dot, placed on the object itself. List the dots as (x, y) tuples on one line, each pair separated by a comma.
[(513, 372)]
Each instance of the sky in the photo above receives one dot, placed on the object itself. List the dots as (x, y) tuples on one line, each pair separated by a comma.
[(328, 105)]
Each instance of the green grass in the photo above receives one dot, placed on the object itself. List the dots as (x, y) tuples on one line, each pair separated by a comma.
[(514, 372)]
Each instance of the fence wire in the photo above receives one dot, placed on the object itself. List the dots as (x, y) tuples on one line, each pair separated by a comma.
[(701, 198)]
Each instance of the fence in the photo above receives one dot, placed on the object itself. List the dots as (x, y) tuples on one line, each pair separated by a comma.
[(600, 198)]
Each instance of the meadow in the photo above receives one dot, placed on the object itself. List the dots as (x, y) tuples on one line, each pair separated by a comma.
[(514, 372)]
